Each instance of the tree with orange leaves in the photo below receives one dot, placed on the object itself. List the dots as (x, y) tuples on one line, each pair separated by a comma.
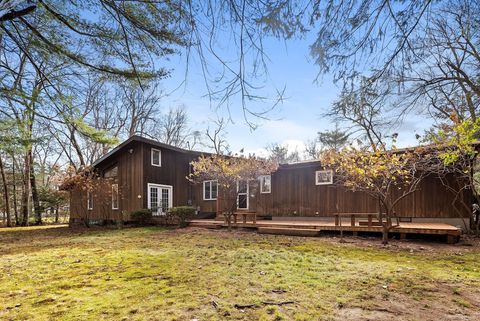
[(228, 171), (388, 176)]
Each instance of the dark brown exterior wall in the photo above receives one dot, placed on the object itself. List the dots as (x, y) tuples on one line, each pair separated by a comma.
[(174, 170), (294, 193), (134, 173), (129, 180)]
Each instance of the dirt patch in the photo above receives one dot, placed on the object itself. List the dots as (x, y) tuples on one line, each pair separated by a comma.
[(466, 244), (361, 314), (444, 302)]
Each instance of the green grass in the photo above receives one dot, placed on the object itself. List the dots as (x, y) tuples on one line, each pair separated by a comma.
[(158, 274)]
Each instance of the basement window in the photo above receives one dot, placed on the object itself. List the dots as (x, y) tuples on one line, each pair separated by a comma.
[(210, 190), (324, 177), (156, 157)]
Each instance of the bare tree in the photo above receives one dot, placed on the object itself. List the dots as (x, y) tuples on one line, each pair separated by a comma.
[(312, 149), (173, 127), (139, 111), (195, 139), (363, 108), (216, 137), (446, 80)]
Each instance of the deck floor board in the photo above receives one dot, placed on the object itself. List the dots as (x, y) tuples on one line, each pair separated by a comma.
[(404, 227)]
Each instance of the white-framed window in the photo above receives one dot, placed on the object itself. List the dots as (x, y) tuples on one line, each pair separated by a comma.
[(89, 201), (265, 184), (114, 196), (156, 156), (324, 177), (210, 190)]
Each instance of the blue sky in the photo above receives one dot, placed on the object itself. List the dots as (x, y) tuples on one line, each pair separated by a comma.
[(295, 121)]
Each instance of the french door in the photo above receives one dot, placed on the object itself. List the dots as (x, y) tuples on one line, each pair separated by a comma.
[(160, 198), (242, 195)]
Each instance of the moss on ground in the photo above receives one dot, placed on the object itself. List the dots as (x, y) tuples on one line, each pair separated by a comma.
[(158, 274)]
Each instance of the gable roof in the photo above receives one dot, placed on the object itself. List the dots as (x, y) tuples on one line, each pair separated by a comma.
[(137, 138)]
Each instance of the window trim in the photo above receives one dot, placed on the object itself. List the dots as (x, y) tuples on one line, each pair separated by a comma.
[(89, 204), (330, 182), (262, 177), (211, 198), (159, 157), (118, 200)]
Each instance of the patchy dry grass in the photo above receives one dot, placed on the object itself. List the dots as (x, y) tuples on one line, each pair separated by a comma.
[(158, 274)]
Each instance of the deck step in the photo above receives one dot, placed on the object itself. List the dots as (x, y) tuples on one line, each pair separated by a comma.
[(210, 225), (289, 231)]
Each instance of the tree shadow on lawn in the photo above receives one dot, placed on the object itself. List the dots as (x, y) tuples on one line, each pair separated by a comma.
[(37, 238)]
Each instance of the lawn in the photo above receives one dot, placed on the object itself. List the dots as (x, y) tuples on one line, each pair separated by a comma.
[(54, 273)]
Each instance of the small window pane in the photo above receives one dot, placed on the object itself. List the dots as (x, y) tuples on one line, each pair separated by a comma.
[(206, 190), (242, 201), (214, 189), (111, 172), (154, 199), (265, 184), (242, 187), (90, 200), (323, 177), (164, 203), (156, 157), (114, 196)]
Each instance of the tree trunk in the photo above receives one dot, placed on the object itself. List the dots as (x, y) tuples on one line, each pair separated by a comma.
[(385, 233), (229, 221), (5, 193), (386, 226), (26, 192), (15, 205), (33, 184), (55, 210), (386, 223)]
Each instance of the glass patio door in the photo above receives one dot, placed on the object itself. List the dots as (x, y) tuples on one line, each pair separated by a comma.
[(160, 198), (242, 195)]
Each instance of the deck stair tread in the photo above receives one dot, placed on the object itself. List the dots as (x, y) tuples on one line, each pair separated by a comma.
[(289, 231)]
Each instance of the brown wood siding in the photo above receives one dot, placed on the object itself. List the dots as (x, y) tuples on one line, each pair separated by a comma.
[(129, 179), (293, 191), (175, 167)]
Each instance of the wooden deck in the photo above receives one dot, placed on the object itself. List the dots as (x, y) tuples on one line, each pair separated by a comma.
[(314, 228)]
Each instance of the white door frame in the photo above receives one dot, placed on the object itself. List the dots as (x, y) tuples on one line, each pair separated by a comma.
[(247, 193), (160, 187)]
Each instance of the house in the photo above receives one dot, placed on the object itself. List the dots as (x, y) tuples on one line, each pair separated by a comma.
[(143, 173)]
